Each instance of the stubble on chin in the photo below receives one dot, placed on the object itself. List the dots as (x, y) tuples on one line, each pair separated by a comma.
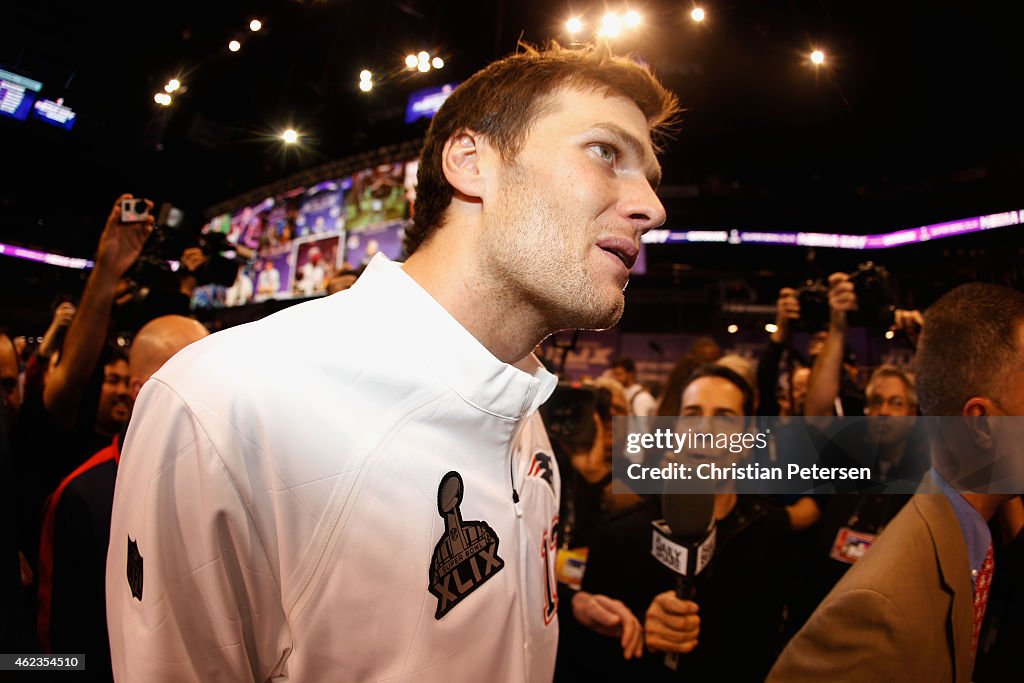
[(549, 270)]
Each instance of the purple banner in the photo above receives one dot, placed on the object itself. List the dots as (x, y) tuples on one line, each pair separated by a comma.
[(836, 240), (44, 257)]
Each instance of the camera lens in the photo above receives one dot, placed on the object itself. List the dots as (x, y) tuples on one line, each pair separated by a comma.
[(140, 207)]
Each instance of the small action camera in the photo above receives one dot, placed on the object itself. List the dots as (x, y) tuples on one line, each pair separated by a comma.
[(134, 210)]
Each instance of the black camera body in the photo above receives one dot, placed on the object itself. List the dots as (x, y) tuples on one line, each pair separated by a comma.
[(876, 301), (167, 243), (569, 413)]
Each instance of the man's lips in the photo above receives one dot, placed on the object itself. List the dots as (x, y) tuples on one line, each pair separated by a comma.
[(626, 250)]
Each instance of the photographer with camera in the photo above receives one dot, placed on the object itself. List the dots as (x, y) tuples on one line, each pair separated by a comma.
[(889, 442), (119, 246), (787, 316), (57, 427)]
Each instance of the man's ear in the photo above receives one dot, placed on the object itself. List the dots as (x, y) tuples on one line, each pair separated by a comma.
[(460, 161), (976, 414)]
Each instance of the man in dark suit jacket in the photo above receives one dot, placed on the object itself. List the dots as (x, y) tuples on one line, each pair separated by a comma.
[(909, 609)]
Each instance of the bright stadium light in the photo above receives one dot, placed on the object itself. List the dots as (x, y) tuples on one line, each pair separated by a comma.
[(771, 328), (162, 99), (234, 46), (437, 63), (611, 25), (290, 137), (410, 61), (365, 75), (424, 66), (172, 85), (366, 86), (574, 25), (632, 18), (733, 329), (817, 57), (255, 25), (423, 57), (697, 14)]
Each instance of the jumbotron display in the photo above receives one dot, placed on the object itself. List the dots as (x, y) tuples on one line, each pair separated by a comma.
[(291, 244)]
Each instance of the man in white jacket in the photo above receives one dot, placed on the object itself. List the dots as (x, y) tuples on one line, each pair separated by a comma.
[(385, 510)]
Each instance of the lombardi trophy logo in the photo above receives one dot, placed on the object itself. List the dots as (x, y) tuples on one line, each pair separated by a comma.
[(466, 556)]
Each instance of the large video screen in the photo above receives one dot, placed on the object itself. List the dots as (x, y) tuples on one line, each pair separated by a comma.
[(291, 245)]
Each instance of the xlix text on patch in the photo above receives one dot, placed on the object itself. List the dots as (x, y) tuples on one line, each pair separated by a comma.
[(134, 569), (466, 556)]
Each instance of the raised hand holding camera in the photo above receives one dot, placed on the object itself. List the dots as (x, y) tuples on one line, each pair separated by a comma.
[(842, 298), (787, 310), (121, 241)]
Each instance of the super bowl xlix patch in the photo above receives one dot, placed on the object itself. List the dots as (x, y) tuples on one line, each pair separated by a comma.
[(466, 556)]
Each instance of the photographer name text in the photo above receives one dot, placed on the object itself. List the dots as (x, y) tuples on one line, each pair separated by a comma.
[(710, 471)]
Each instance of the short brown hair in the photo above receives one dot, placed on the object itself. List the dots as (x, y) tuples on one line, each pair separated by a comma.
[(503, 100), (888, 370), (968, 343)]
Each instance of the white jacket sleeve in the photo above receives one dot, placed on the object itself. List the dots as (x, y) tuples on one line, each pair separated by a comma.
[(191, 594)]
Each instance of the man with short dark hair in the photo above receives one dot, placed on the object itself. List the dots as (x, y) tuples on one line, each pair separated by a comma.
[(641, 402), (737, 607), (385, 509), (912, 608), (115, 402)]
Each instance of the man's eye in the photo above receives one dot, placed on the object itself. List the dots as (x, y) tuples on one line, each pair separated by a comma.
[(604, 152)]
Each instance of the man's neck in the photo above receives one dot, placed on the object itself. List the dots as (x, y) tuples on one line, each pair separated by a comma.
[(987, 504), (508, 328)]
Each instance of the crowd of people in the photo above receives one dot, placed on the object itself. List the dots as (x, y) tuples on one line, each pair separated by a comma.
[(333, 516), (775, 581)]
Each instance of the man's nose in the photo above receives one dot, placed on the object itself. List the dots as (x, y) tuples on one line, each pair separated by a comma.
[(642, 207)]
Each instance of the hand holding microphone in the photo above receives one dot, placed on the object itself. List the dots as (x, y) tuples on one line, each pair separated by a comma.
[(672, 624), (684, 541)]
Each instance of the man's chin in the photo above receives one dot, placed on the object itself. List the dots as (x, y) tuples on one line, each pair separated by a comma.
[(604, 314)]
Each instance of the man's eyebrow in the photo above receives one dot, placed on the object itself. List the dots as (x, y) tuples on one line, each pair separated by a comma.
[(634, 144)]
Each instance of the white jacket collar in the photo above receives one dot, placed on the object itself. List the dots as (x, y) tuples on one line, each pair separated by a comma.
[(449, 350)]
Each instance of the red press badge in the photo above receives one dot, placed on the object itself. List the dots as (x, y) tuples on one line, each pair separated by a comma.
[(851, 545)]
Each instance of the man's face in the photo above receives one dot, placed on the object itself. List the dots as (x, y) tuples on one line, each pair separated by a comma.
[(566, 222), (888, 397), (10, 391), (621, 376), (1010, 395), (1006, 406), (719, 403), (115, 406)]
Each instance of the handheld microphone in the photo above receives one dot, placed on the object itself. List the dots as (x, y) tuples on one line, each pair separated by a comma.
[(684, 541)]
